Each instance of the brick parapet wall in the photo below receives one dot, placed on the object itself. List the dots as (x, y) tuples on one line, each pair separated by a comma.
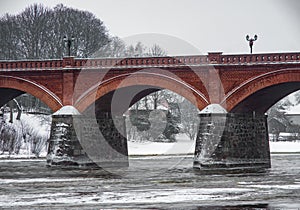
[(210, 59)]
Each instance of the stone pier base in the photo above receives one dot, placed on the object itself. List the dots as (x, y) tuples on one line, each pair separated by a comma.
[(64, 148), (81, 141), (232, 141), (104, 140)]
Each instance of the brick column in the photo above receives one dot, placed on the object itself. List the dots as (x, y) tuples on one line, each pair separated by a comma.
[(68, 88), (215, 86), (232, 141)]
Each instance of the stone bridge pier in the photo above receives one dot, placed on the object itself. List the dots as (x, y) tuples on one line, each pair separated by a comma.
[(232, 141), (79, 140)]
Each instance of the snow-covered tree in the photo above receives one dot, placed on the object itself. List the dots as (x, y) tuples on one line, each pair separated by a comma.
[(189, 119)]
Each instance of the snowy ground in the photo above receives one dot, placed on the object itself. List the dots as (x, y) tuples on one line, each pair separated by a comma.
[(285, 147), (186, 146), (183, 146)]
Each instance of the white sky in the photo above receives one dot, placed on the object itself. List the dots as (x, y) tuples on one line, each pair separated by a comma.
[(207, 25)]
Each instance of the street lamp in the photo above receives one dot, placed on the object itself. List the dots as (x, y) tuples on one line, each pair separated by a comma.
[(251, 41), (69, 43)]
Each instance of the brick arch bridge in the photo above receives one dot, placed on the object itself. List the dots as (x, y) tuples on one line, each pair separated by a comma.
[(263, 91), (245, 85), (132, 87), (11, 87)]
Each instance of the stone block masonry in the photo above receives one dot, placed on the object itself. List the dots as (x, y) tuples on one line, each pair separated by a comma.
[(232, 140), (64, 147), (76, 140), (104, 139)]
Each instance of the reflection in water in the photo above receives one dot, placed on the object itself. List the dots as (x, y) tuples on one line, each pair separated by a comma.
[(167, 182)]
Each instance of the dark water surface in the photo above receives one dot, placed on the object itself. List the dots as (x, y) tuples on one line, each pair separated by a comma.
[(166, 182)]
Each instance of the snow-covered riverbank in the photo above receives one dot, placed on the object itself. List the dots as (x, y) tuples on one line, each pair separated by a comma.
[(285, 147), (183, 145), (188, 147)]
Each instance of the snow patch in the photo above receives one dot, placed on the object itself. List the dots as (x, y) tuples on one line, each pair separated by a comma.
[(159, 148), (183, 145), (213, 108), (67, 110), (187, 146), (294, 110), (293, 147)]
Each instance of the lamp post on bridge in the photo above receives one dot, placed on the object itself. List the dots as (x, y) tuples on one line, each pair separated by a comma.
[(69, 41), (251, 41)]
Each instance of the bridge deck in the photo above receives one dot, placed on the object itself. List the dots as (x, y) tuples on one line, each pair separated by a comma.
[(172, 61)]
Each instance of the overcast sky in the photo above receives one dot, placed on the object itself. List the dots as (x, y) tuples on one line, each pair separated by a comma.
[(193, 26)]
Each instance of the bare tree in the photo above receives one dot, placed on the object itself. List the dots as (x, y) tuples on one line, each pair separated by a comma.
[(156, 51), (38, 33), (189, 119), (137, 50), (31, 28), (89, 32), (9, 40), (114, 48)]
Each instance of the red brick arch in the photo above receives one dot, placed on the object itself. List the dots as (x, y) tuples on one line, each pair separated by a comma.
[(256, 84), (32, 88), (145, 79)]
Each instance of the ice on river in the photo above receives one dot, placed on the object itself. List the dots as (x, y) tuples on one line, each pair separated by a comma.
[(31, 185)]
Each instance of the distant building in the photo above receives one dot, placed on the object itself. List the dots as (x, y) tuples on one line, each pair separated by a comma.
[(293, 118), (293, 115), (288, 136), (276, 126), (292, 131)]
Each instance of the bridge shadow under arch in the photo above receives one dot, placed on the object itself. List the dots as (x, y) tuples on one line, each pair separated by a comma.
[(119, 93), (261, 93), (11, 87)]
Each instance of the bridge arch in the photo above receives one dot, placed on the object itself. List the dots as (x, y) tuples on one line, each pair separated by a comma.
[(23, 85), (262, 92), (152, 81)]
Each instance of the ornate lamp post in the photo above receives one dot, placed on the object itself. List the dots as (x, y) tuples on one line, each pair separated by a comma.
[(69, 41), (251, 41)]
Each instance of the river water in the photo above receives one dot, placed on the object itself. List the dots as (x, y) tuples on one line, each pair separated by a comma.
[(166, 182)]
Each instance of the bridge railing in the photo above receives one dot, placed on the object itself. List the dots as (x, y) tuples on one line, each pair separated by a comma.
[(260, 58), (143, 61), (40, 64), (212, 58)]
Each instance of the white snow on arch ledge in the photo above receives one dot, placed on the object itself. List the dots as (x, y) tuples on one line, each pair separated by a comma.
[(67, 110), (213, 108)]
